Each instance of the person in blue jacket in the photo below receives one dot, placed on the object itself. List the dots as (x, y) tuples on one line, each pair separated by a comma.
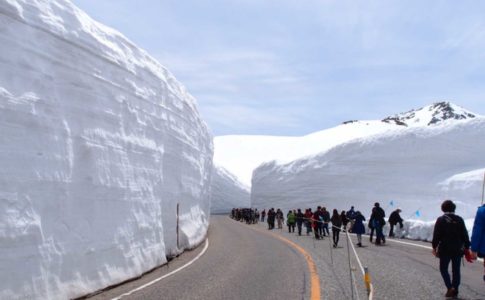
[(478, 235), (358, 227)]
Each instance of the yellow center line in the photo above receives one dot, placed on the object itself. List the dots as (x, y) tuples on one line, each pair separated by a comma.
[(314, 279)]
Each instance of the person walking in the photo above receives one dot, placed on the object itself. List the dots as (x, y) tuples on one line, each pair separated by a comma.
[(370, 224), (326, 219), (316, 224), (336, 225), (378, 216), (263, 215), (308, 221), (344, 219), (358, 228), (279, 218), (271, 218), (450, 242), (478, 236), (395, 219), (290, 221), (351, 217), (299, 220)]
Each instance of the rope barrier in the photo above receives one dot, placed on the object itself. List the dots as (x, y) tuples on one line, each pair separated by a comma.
[(364, 270)]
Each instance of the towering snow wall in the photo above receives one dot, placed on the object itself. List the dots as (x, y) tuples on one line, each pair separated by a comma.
[(415, 168), (98, 145), (227, 192)]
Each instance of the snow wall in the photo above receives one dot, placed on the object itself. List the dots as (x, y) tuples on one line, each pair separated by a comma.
[(98, 145), (415, 168), (227, 192)]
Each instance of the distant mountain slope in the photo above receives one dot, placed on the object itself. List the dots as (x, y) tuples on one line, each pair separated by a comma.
[(416, 169), (241, 154)]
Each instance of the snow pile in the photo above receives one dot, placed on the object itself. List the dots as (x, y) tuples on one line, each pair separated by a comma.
[(227, 192), (241, 154), (415, 169), (98, 144)]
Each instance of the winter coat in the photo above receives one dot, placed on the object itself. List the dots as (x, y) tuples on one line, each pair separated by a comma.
[(299, 217), (325, 216), (359, 227), (344, 219), (450, 236), (377, 217), (290, 218), (336, 221), (395, 218), (478, 233)]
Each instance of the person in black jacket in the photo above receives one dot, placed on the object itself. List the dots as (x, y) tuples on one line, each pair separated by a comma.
[(450, 241), (377, 218), (395, 219), (336, 225), (299, 220)]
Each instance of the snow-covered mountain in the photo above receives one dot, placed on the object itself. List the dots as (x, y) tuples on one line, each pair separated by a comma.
[(415, 168), (434, 114), (227, 192), (98, 145), (241, 154)]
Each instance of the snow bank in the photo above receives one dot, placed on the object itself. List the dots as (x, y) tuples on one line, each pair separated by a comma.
[(241, 154), (98, 144), (415, 168), (227, 192)]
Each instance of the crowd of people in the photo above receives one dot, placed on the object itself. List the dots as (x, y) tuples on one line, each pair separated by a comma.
[(318, 222), (450, 237)]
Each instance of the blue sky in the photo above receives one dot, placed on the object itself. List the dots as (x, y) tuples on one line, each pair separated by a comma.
[(285, 67)]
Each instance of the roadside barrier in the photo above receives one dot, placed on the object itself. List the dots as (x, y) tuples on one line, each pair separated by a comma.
[(364, 270)]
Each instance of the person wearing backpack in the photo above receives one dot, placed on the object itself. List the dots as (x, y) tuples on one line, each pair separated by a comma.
[(450, 243)]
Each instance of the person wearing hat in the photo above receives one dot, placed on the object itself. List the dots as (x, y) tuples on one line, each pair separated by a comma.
[(450, 243), (395, 219)]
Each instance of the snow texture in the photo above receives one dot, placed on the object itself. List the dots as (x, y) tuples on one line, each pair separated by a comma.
[(98, 144), (227, 192), (415, 168)]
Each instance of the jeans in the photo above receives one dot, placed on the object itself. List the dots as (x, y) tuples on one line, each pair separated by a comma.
[(455, 269), (379, 234)]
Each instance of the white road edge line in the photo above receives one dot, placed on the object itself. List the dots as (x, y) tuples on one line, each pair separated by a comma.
[(166, 275), (371, 294)]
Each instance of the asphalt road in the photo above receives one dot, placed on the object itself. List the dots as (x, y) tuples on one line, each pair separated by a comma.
[(245, 262), (240, 263)]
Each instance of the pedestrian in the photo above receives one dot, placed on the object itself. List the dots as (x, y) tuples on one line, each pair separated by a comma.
[(326, 219), (478, 236), (395, 219), (336, 225), (377, 217), (358, 227), (279, 218), (290, 221), (263, 214), (450, 242), (319, 224), (271, 218), (370, 224), (351, 217), (308, 221), (344, 219), (299, 220), (316, 224)]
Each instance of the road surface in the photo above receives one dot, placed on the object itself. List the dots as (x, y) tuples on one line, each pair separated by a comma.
[(251, 262)]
